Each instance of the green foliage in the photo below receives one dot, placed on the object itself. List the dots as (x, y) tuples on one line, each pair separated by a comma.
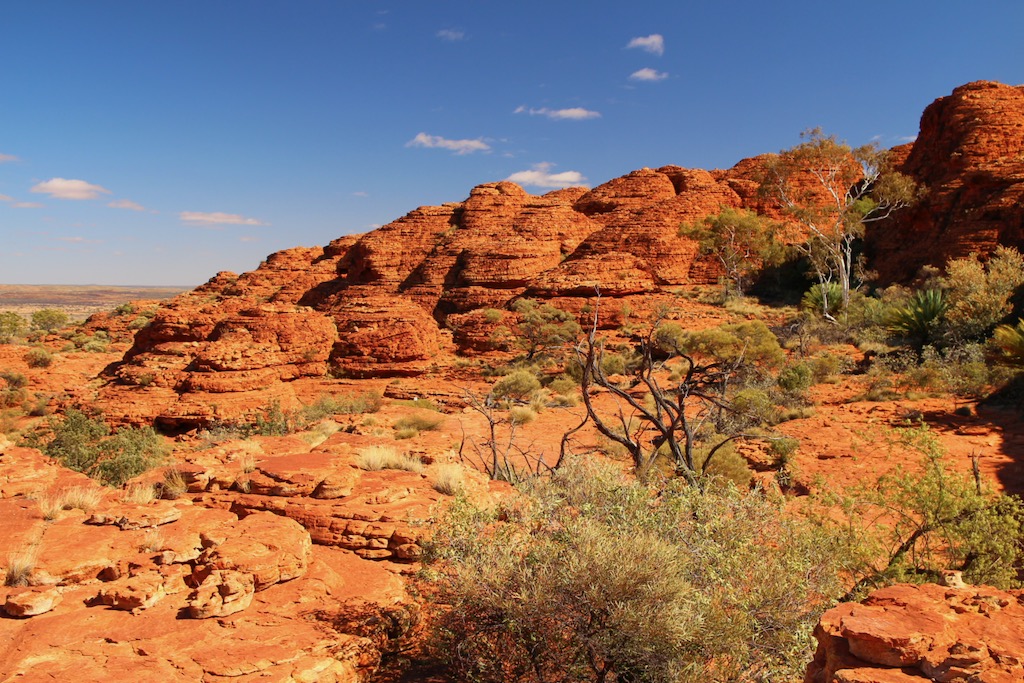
[(48, 319), (742, 241), (589, 577), (979, 294), (824, 298), (750, 342), (939, 519), (518, 384), (125, 309), (38, 357), (754, 407), (832, 191), (492, 316), (796, 379), (920, 319), (1008, 342), (274, 421), (411, 425), (542, 328), (84, 444), (340, 404), (12, 325)]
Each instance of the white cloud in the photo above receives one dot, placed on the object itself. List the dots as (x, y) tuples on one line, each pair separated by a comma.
[(360, 193), (5, 198), (654, 43), (570, 114), (126, 204), (540, 176), (648, 74), (450, 34), (217, 218), (248, 238), (27, 205), (62, 188), (457, 146), (4, 158)]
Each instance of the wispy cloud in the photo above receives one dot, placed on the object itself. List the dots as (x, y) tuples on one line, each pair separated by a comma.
[(19, 205), (648, 74), (654, 43), (570, 114), (360, 193), (541, 176), (450, 34), (63, 188), (6, 158), (126, 204), (215, 218), (77, 240), (457, 146), (248, 238)]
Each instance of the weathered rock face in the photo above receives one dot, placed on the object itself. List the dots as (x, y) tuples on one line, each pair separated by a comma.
[(929, 632), (969, 156), (385, 304)]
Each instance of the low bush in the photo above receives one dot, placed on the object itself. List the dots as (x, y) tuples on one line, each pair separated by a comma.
[(38, 358), (518, 384), (414, 424), (589, 576), (84, 444)]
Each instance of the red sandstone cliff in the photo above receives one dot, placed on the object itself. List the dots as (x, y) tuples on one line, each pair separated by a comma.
[(969, 157), (387, 303)]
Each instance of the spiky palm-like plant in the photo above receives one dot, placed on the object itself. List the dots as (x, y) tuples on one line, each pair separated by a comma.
[(920, 318), (1008, 341)]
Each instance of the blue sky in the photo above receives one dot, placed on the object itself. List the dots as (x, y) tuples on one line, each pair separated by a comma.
[(158, 142)]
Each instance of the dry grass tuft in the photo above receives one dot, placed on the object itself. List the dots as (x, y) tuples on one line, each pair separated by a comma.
[(449, 480), (376, 458), (20, 566), (173, 485), (139, 494)]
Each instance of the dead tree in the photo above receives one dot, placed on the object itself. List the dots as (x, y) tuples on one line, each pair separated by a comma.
[(661, 419)]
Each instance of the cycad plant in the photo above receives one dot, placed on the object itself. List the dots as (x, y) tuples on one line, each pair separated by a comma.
[(1008, 341), (920, 318), (824, 298)]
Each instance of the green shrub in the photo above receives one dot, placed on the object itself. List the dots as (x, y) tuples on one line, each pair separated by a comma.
[(519, 384), (1008, 342), (274, 421), (521, 415), (12, 325), (921, 318), (38, 358), (411, 425), (84, 444), (48, 319), (750, 342), (342, 404), (796, 379), (492, 315), (754, 407), (592, 577), (979, 294), (814, 300)]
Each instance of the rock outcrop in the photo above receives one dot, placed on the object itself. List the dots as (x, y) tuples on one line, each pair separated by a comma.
[(386, 304), (929, 632), (969, 158)]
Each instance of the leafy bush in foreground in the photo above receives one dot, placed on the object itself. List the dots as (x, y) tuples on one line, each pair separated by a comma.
[(591, 577)]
